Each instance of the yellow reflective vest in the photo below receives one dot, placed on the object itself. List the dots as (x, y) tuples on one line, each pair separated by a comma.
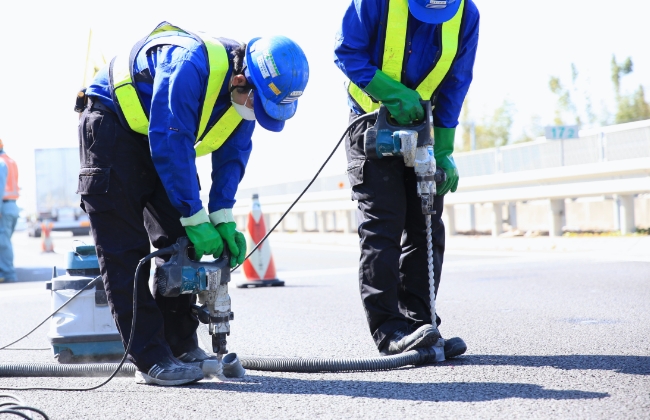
[(395, 45), (127, 101)]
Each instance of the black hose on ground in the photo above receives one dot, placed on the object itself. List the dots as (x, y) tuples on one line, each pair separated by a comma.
[(269, 364), (53, 370), (294, 364)]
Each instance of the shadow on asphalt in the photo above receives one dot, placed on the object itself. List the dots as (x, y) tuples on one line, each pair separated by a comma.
[(24, 275), (633, 365), (452, 391)]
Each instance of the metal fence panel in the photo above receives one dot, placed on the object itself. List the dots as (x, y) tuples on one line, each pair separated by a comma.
[(628, 144), (482, 162), (582, 150), (611, 144)]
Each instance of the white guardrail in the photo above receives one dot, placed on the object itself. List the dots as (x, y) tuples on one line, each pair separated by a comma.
[(620, 166)]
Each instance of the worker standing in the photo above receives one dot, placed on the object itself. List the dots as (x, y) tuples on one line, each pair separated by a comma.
[(8, 214), (396, 52), (176, 96)]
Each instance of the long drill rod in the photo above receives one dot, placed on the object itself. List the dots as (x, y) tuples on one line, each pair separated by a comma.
[(432, 283)]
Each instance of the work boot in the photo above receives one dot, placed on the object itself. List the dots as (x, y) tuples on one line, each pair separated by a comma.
[(399, 342), (170, 372), (209, 364), (454, 347), (196, 355)]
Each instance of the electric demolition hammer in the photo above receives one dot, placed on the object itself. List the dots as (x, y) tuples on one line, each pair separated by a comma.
[(415, 143), (209, 281)]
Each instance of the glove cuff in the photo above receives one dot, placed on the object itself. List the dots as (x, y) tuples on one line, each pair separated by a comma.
[(444, 141), (221, 216), (199, 217), (381, 85)]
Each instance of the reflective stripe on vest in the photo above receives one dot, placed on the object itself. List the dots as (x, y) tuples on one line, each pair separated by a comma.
[(395, 45), (11, 187), (209, 138)]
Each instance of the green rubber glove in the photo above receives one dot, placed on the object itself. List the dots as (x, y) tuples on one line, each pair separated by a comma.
[(402, 103), (206, 240), (235, 241), (442, 150)]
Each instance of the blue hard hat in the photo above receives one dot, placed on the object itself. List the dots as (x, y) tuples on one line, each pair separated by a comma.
[(278, 69), (434, 11)]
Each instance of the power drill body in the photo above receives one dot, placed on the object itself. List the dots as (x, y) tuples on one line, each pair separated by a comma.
[(414, 143), (209, 281)]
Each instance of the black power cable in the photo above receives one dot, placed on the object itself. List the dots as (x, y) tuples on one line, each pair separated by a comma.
[(16, 407), (350, 126)]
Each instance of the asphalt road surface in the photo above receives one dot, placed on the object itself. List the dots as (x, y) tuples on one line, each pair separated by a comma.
[(551, 334)]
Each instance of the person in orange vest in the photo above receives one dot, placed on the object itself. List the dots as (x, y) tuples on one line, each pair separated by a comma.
[(8, 214)]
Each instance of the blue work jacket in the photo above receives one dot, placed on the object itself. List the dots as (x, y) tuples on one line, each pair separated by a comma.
[(359, 48), (171, 81)]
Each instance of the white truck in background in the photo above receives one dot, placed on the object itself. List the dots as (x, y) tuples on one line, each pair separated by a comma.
[(57, 201)]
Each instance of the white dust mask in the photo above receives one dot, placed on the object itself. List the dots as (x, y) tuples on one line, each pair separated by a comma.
[(245, 112)]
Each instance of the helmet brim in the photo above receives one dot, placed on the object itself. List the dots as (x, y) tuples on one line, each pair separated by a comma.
[(263, 117), (427, 15)]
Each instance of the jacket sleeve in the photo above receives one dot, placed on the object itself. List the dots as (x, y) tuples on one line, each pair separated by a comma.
[(454, 88), (355, 41), (175, 104), (228, 167)]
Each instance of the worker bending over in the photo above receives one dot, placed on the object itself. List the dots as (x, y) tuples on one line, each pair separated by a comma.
[(176, 96)]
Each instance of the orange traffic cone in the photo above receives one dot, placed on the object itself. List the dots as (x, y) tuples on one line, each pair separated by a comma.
[(46, 243), (259, 268)]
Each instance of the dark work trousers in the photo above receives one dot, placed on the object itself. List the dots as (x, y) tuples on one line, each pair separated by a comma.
[(128, 207), (393, 275)]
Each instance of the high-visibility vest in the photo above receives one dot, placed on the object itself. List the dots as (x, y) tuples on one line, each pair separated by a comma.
[(127, 100), (395, 45), (11, 186)]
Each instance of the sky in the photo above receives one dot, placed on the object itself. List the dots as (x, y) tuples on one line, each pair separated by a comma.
[(521, 44)]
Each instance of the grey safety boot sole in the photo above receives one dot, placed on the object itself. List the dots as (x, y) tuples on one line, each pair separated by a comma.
[(425, 336), (454, 347), (143, 378)]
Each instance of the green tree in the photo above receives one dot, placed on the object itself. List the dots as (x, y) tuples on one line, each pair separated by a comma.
[(495, 130), (566, 111), (632, 107)]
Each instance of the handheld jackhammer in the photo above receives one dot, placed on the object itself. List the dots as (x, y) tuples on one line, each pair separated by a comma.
[(209, 281), (415, 144)]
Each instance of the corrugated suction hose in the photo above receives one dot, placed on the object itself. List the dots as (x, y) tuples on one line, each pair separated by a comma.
[(269, 364)]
